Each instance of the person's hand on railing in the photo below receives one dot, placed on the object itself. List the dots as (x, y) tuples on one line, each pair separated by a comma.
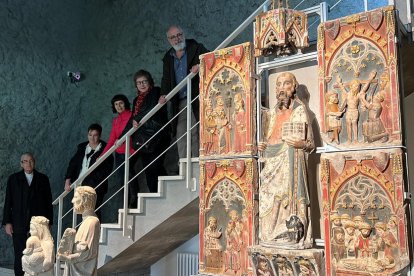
[(67, 185), (9, 229), (162, 99), (195, 68), (135, 124)]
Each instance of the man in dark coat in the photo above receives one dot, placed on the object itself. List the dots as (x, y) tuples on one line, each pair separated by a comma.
[(85, 156), (181, 59), (28, 194)]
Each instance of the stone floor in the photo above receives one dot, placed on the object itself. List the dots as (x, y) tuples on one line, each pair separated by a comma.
[(6, 272)]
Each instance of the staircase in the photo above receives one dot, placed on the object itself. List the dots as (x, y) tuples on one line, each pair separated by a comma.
[(161, 222)]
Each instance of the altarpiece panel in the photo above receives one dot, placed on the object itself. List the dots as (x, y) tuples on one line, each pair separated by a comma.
[(227, 212), (227, 103), (358, 80), (364, 212)]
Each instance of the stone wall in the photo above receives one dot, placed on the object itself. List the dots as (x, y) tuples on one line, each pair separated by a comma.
[(108, 40)]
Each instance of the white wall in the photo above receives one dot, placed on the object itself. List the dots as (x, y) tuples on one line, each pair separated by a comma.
[(167, 266)]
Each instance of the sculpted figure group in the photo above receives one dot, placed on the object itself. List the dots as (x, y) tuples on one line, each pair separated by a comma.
[(78, 249), (38, 256), (228, 248), (225, 129), (355, 100), (358, 245)]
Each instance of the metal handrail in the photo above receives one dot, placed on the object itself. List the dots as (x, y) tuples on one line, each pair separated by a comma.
[(125, 138)]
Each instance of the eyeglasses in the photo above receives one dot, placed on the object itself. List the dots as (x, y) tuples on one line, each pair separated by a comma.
[(179, 35), (27, 161), (144, 82)]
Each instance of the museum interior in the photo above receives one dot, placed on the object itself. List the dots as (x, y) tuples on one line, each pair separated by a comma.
[(295, 161)]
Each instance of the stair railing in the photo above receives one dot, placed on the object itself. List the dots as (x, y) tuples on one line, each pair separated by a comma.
[(126, 138)]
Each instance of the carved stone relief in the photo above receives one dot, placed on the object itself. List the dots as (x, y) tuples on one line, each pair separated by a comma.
[(363, 212), (227, 210), (275, 262), (359, 91), (227, 102)]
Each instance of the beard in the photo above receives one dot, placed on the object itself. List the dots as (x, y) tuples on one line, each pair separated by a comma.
[(180, 46), (283, 102)]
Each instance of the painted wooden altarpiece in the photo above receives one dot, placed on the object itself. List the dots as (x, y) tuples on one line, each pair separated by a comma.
[(250, 230), (228, 171), (358, 80), (364, 212), (227, 97), (362, 186), (227, 212)]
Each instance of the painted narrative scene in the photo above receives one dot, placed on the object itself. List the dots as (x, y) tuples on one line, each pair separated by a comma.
[(302, 157)]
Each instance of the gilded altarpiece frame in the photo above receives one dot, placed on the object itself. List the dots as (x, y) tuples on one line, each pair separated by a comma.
[(364, 212), (227, 211), (227, 103), (358, 80)]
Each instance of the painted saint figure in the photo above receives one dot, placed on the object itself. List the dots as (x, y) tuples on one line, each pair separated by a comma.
[(234, 243), (351, 101), (263, 268), (334, 116), (223, 126), (373, 128), (38, 256), (212, 245), (239, 118), (284, 200), (83, 260), (211, 144), (362, 245)]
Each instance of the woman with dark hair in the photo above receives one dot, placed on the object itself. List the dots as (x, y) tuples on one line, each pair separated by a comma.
[(148, 96), (120, 104)]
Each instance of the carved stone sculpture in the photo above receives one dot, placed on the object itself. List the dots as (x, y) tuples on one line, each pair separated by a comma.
[(284, 200), (280, 31), (363, 212), (67, 241), (38, 256), (227, 103), (357, 59), (81, 253), (227, 212), (274, 261)]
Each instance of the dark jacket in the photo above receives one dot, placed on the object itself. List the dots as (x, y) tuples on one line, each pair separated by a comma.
[(23, 201), (99, 174), (193, 50), (155, 123)]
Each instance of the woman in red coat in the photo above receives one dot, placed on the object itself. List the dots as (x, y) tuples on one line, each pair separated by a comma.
[(121, 105)]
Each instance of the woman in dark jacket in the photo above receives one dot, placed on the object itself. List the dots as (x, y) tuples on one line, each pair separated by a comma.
[(147, 98)]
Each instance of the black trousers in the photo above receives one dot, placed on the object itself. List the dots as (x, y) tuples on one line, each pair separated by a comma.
[(19, 244)]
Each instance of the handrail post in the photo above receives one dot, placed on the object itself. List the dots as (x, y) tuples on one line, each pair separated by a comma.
[(126, 189), (324, 11), (74, 215), (189, 136), (59, 233)]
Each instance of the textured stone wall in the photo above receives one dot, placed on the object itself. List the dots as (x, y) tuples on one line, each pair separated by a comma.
[(42, 112)]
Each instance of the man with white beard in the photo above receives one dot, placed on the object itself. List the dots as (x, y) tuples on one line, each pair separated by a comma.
[(181, 59)]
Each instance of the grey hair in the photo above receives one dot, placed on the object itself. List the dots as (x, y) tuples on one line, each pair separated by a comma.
[(176, 26)]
